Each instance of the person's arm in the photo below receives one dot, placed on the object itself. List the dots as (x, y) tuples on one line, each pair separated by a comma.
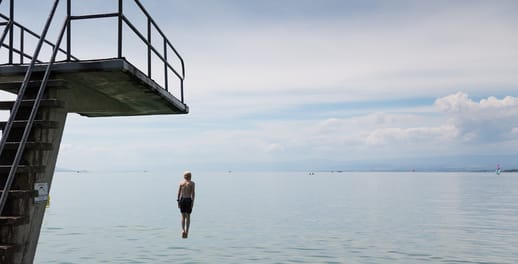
[(193, 192), (179, 192)]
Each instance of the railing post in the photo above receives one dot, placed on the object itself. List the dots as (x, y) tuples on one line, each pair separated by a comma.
[(119, 44), (181, 89), (69, 33), (11, 35), (22, 31), (166, 80), (149, 47)]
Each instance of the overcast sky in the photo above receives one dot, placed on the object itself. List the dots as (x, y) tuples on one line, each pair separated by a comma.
[(315, 85)]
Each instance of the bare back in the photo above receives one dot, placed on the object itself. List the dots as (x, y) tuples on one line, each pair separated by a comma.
[(187, 189)]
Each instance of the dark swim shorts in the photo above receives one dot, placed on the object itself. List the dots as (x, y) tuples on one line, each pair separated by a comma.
[(185, 205)]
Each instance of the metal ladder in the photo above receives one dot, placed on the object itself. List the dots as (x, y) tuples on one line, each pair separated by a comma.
[(16, 131)]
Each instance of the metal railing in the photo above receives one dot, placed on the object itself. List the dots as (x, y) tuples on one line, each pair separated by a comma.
[(10, 25), (165, 52)]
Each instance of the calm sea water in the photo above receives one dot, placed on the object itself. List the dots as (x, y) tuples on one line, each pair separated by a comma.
[(283, 218)]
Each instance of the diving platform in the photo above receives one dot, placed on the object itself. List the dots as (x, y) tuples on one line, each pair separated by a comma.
[(101, 88), (48, 89)]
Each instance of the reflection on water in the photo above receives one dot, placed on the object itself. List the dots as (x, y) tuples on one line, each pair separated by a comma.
[(284, 218)]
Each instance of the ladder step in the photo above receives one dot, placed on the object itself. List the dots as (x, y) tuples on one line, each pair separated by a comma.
[(6, 250), (17, 194), (8, 105), (37, 123), (22, 169), (13, 220), (29, 145), (13, 87)]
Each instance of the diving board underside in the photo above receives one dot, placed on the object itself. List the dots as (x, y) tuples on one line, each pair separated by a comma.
[(97, 88)]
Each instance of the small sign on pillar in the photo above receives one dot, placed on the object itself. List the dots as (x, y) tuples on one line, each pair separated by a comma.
[(43, 191)]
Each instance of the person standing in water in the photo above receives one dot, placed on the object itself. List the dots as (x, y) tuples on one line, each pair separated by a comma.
[(186, 201)]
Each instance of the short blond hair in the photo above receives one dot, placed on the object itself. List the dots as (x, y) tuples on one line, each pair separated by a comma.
[(187, 174)]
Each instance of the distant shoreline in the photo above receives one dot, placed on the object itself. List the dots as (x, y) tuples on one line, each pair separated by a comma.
[(417, 170), (310, 171)]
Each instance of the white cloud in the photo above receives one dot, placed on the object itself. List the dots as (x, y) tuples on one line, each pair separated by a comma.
[(456, 125), (489, 120), (416, 136)]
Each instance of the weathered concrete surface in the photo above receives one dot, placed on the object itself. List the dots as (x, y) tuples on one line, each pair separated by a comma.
[(110, 87), (41, 154), (29, 234)]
